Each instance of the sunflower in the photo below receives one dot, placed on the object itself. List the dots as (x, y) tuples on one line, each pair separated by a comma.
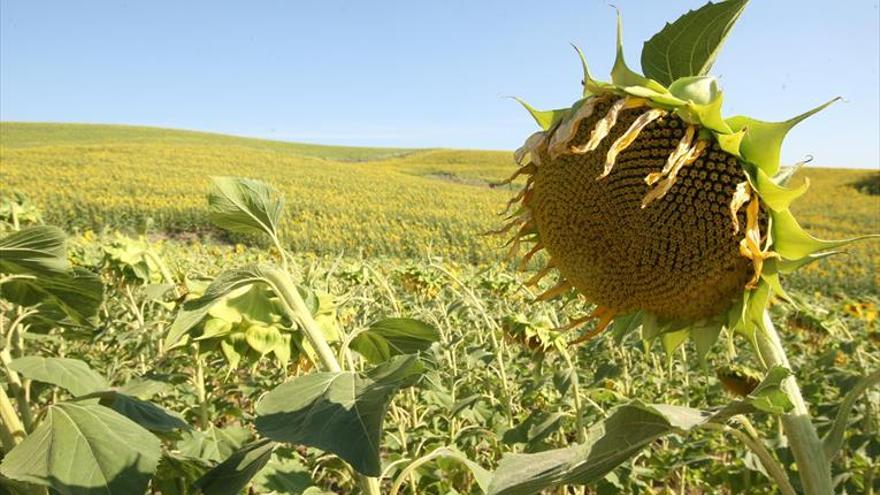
[(658, 210)]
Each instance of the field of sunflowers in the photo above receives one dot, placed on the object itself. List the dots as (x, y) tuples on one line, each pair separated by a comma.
[(357, 201), (387, 249)]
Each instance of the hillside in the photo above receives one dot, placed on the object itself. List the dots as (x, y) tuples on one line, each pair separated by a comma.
[(374, 201)]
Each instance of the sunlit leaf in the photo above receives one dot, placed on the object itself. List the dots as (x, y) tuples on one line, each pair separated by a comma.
[(73, 375), (339, 412), (689, 46), (85, 449), (393, 337), (245, 206)]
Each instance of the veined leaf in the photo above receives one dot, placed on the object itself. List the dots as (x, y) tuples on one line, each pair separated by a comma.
[(339, 412), (245, 206), (689, 46), (393, 337), (85, 449), (214, 444), (38, 251), (73, 375), (231, 476)]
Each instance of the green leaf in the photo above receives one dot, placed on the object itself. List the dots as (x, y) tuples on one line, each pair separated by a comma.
[(231, 476), (85, 449), (626, 431), (834, 438), (794, 243), (284, 474), (689, 46), (73, 375), (339, 412), (393, 337), (263, 339), (38, 251), (672, 340), (142, 412), (702, 101), (214, 444), (762, 143), (704, 338), (65, 294), (245, 206), (176, 474), (768, 396), (546, 119)]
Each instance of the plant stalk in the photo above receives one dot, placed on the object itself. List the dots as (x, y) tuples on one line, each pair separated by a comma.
[(813, 467), (299, 312), (12, 431)]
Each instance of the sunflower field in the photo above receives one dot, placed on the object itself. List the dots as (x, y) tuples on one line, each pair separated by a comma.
[(187, 313)]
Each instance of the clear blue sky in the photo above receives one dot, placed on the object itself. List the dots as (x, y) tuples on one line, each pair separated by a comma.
[(417, 74)]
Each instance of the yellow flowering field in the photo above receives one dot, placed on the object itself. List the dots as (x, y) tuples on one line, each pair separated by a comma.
[(364, 201)]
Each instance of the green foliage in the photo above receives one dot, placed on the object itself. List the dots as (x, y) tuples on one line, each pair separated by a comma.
[(84, 449), (339, 412), (393, 337), (72, 375), (689, 46), (232, 475)]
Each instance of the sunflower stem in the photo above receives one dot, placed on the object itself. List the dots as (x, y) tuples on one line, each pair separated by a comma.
[(298, 311), (814, 469)]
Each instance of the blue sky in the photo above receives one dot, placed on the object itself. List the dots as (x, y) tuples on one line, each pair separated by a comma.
[(416, 74)]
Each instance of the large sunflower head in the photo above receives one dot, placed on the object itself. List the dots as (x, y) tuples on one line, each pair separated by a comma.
[(652, 205)]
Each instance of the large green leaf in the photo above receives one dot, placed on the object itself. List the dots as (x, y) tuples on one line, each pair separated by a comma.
[(393, 337), (85, 449), (39, 251), (245, 206), (339, 412), (73, 375), (689, 46), (232, 475), (66, 294)]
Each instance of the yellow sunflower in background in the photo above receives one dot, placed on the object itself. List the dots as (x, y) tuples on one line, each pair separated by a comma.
[(655, 207)]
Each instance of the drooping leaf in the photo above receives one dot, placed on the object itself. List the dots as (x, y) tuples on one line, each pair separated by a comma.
[(393, 337), (339, 412), (285, 474), (689, 46), (232, 475), (142, 412), (704, 338), (762, 142), (626, 431), (85, 449), (245, 206), (144, 388), (40, 251), (73, 375)]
